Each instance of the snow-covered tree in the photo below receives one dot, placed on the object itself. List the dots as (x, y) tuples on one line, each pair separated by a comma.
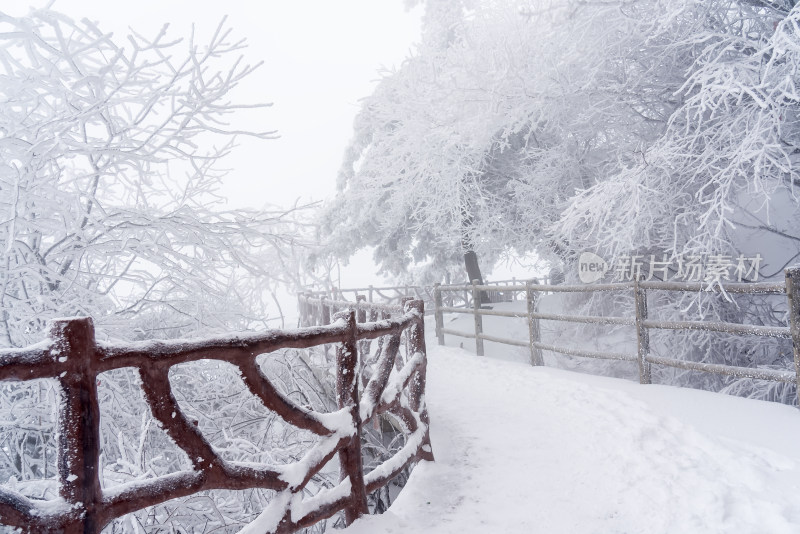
[(111, 154), (561, 126), (110, 157), (630, 127), (474, 147), (722, 179)]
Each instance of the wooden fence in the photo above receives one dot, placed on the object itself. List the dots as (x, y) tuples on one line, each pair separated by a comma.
[(640, 321), (74, 358), (393, 295)]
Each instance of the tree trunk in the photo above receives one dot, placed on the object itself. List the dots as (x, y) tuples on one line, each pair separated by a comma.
[(474, 272), (470, 257)]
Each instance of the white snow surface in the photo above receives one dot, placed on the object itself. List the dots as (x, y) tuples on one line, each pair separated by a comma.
[(528, 450)]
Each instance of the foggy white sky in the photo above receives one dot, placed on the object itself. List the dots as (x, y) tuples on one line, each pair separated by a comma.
[(320, 57)]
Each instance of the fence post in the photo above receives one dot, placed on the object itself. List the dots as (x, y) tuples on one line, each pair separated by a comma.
[(792, 275), (476, 306), (302, 306), (365, 345), (315, 313), (398, 363), (350, 461), (416, 335), (300, 313), (325, 311), (369, 298), (78, 422), (533, 325), (416, 343), (642, 334), (324, 319), (437, 312), (361, 313)]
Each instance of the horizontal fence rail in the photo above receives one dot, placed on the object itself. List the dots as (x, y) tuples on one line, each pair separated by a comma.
[(74, 358), (393, 295), (532, 291)]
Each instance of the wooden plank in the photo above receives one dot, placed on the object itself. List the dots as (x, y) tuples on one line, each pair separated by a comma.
[(450, 309), (763, 288), (79, 422), (534, 332), (472, 311), (590, 319), (792, 275), (504, 340), (438, 315), (773, 375), (642, 334), (729, 328), (600, 355), (347, 397), (760, 288), (476, 306), (458, 333)]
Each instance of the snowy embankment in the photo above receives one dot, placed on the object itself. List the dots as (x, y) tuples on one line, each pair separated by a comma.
[(523, 449)]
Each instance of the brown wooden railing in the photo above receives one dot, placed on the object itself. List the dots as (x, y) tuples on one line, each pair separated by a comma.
[(640, 321), (74, 358)]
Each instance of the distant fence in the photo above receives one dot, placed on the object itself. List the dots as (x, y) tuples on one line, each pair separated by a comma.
[(643, 325), (74, 358), (393, 295)]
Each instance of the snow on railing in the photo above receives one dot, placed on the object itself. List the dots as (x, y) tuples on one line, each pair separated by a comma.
[(532, 291), (74, 358)]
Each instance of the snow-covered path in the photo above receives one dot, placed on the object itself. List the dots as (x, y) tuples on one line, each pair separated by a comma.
[(528, 450)]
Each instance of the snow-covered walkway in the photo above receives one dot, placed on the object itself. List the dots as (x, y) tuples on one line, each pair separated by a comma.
[(529, 450)]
